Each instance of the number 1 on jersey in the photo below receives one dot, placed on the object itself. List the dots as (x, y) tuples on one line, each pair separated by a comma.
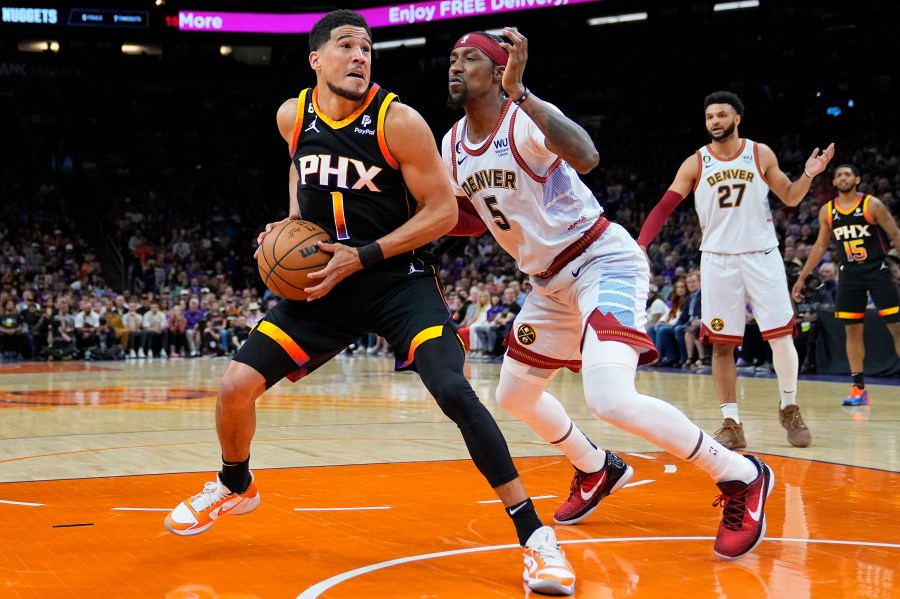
[(340, 223)]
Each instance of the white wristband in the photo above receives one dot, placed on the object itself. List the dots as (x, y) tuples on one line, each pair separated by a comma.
[(808, 175)]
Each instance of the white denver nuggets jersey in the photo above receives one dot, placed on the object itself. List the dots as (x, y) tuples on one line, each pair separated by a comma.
[(532, 201), (732, 201)]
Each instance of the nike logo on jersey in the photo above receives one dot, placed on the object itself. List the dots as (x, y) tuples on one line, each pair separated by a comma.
[(577, 271), (767, 252), (587, 496), (459, 153)]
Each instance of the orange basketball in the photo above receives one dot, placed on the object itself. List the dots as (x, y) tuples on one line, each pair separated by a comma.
[(290, 252)]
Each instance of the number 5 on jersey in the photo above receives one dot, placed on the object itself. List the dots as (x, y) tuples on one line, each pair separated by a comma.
[(499, 217)]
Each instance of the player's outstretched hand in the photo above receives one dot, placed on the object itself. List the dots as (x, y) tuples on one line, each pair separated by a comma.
[(269, 227), (817, 162), (344, 262), (515, 67)]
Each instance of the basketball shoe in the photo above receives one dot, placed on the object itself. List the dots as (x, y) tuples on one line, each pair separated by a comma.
[(731, 435), (587, 490), (857, 397), (196, 514), (797, 433), (547, 570), (743, 512)]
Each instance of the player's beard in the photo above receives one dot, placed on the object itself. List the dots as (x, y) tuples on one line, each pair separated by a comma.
[(725, 134), (457, 101), (845, 187), (346, 93)]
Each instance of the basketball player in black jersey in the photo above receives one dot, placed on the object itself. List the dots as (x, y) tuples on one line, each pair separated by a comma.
[(366, 169), (860, 225)]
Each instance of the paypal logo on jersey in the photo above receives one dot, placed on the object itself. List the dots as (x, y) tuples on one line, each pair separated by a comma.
[(365, 122)]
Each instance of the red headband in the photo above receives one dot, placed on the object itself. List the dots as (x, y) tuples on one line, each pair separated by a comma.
[(491, 49)]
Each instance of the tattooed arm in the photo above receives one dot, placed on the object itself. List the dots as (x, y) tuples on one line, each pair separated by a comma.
[(564, 137)]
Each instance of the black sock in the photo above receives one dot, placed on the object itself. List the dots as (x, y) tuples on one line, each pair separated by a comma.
[(858, 380), (525, 519), (235, 475)]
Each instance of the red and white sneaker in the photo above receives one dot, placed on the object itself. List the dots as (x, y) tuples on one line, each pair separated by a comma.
[(588, 489), (196, 514), (547, 570), (743, 515)]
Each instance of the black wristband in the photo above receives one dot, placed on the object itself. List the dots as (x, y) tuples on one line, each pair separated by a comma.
[(370, 254), (523, 98)]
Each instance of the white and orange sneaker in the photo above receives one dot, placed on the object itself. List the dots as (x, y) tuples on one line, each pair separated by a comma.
[(547, 570), (196, 514)]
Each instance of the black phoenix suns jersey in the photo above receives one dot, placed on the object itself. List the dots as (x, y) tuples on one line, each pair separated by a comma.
[(349, 185), (856, 234)]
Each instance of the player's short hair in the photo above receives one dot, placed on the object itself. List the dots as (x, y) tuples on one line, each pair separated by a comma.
[(852, 168), (321, 31), (729, 98)]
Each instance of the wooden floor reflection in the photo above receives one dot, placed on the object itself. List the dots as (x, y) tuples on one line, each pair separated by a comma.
[(367, 492)]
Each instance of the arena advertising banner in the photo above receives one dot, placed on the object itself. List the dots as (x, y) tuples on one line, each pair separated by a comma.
[(384, 16), (76, 17)]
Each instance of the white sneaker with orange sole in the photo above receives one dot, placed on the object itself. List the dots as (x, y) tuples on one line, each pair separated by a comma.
[(547, 570), (196, 514)]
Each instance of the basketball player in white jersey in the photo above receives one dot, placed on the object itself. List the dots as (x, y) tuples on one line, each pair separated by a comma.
[(513, 160), (731, 178)]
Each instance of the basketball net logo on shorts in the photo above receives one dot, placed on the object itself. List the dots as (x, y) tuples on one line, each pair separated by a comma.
[(717, 324), (526, 334)]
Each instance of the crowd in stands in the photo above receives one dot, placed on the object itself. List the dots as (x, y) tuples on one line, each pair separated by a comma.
[(132, 194)]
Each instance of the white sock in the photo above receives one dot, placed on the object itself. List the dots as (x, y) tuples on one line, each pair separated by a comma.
[(723, 464), (609, 386), (730, 410), (583, 454), (786, 364)]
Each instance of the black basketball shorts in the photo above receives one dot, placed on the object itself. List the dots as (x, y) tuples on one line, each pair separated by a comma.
[(856, 282)]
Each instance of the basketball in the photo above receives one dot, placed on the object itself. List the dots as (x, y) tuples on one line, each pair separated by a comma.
[(289, 252)]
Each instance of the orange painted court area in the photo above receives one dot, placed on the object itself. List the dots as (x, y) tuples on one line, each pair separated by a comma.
[(329, 531)]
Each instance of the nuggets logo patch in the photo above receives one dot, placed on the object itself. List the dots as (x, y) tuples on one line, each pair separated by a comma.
[(717, 324), (525, 334)]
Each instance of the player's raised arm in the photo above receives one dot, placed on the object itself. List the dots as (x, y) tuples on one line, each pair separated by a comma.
[(792, 192), (563, 136)]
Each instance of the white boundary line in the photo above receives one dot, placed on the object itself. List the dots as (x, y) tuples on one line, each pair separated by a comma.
[(341, 509), (9, 502), (317, 589), (535, 498)]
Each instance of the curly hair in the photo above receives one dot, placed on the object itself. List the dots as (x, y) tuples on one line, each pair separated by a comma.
[(724, 98), (321, 31)]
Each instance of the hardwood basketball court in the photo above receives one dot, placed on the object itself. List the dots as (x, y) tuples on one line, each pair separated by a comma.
[(368, 491)]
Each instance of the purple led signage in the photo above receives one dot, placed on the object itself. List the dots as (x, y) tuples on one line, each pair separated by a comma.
[(384, 16)]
